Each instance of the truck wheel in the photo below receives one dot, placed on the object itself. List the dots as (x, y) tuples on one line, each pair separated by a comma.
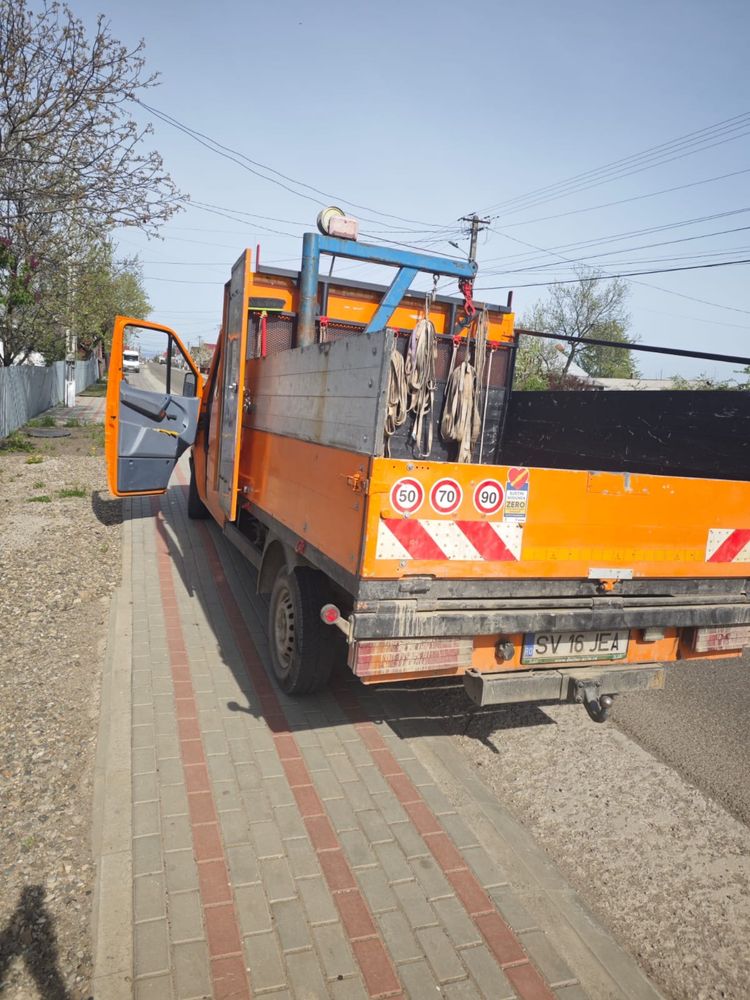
[(302, 650), (196, 509)]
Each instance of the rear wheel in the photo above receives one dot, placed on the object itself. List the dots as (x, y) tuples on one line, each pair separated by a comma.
[(196, 509), (302, 647)]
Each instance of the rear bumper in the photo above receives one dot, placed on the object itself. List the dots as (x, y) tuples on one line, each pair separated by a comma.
[(406, 619), (560, 685)]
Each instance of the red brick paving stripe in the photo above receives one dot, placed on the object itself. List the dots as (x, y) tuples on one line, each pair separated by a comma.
[(528, 982), (228, 970), (500, 938), (378, 971), (229, 977)]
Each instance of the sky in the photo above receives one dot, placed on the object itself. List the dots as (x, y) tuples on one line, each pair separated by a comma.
[(429, 111)]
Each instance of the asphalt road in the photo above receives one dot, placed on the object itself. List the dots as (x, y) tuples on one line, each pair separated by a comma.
[(699, 725)]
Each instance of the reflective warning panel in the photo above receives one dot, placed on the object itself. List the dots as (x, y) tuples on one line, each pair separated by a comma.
[(486, 541)]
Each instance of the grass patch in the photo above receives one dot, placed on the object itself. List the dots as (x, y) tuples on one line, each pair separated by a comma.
[(16, 441), (35, 460), (73, 422), (96, 389), (38, 485), (45, 421), (97, 435), (72, 491), (41, 499)]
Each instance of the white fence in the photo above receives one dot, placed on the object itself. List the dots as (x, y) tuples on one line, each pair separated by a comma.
[(27, 390)]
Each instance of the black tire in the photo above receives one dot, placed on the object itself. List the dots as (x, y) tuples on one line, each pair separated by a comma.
[(302, 647), (196, 509)]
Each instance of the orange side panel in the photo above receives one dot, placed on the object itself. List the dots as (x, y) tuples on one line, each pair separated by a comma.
[(305, 487), (552, 523), (358, 305)]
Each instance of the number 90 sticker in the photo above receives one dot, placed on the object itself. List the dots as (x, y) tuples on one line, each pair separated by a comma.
[(407, 496), (489, 496), (446, 496)]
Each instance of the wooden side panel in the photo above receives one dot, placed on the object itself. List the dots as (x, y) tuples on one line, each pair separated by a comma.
[(558, 524), (331, 394), (305, 487)]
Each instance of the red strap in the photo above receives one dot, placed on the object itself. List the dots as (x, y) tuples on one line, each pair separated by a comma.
[(466, 286)]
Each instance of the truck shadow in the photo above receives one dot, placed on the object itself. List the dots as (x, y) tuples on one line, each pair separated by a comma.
[(412, 708), (30, 936)]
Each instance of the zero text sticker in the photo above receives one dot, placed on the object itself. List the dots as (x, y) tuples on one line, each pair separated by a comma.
[(407, 496), (489, 496), (446, 496)]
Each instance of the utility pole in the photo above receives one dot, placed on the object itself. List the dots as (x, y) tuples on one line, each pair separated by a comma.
[(71, 348), (477, 225)]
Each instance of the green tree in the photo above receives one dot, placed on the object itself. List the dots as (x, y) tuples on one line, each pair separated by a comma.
[(591, 308), (103, 289)]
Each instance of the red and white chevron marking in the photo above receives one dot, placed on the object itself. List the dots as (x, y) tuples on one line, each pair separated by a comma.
[(728, 545), (412, 538)]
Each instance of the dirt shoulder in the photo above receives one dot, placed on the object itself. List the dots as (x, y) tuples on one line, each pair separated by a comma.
[(665, 868), (59, 563)]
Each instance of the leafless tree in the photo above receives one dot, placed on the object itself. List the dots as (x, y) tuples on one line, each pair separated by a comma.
[(74, 161)]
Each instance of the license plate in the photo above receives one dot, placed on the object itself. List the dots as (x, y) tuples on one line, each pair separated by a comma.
[(562, 647)]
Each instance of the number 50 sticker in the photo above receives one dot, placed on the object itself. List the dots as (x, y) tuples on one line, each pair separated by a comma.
[(489, 496), (407, 496)]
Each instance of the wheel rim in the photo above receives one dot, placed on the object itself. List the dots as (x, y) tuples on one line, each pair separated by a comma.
[(284, 629)]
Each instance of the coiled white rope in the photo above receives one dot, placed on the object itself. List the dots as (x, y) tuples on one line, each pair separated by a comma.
[(420, 378), (397, 408), (462, 421)]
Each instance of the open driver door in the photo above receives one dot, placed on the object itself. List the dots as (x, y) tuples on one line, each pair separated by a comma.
[(152, 412)]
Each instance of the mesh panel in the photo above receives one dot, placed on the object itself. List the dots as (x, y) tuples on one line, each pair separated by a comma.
[(279, 334)]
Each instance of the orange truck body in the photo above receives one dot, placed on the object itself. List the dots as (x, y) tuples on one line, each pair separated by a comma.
[(447, 569)]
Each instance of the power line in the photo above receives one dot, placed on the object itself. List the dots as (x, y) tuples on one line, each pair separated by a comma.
[(624, 201), (224, 215), (688, 144), (232, 154), (627, 274), (642, 246), (599, 240)]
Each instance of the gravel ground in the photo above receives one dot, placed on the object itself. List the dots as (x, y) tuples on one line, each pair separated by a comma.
[(59, 562), (666, 868)]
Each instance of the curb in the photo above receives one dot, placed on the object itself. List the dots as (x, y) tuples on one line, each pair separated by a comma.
[(606, 970), (112, 916)]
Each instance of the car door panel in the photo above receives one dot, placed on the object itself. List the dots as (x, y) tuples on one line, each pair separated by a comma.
[(147, 430)]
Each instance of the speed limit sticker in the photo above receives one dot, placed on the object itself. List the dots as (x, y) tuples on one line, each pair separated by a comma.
[(446, 496), (489, 496), (407, 496)]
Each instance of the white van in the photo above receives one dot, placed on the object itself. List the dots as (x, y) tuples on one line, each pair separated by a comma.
[(131, 361)]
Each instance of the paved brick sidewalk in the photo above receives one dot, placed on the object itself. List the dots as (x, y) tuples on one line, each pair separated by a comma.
[(326, 847), (88, 410)]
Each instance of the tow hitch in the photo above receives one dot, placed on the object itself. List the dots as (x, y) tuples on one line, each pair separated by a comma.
[(581, 685), (597, 705)]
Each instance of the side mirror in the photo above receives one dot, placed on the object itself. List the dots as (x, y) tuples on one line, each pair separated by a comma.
[(189, 384)]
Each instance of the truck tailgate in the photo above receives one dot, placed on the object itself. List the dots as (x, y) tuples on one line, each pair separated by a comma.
[(451, 521)]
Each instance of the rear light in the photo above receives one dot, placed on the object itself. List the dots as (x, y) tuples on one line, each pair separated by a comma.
[(372, 657), (709, 640)]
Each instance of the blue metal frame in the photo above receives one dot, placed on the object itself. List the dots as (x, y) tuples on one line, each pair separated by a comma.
[(409, 264)]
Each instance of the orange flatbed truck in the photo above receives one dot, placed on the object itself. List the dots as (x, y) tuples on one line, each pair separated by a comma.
[(534, 571)]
